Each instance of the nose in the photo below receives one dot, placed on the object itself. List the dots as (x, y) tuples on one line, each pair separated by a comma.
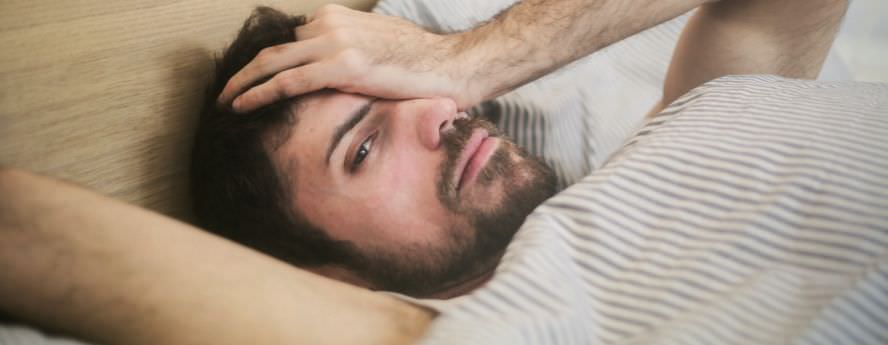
[(435, 116)]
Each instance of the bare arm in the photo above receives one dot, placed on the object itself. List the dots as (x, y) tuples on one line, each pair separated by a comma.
[(109, 272), (536, 37), (388, 57), (790, 38)]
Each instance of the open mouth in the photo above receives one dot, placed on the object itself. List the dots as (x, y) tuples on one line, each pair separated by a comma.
[(474, 157)]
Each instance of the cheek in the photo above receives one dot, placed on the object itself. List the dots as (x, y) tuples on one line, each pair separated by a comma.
[(395, 204), (411, 179), (407, 202)]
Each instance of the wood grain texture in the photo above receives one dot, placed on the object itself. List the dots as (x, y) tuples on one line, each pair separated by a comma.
[(105, 93)]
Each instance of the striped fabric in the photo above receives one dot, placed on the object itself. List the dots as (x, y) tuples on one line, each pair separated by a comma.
[(709, 232), (754, 210), (577, 116)]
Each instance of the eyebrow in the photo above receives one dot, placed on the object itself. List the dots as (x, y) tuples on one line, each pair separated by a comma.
[(346, 126)]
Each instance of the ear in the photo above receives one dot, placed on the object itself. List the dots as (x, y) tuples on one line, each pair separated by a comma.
[(340, 273)]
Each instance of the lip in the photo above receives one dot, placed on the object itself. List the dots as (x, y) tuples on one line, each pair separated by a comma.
[(475, 155)]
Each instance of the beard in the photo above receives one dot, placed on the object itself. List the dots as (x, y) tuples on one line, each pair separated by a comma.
[(472, 248)]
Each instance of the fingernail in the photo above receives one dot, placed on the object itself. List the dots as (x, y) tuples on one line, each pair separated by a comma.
[(236, 105)]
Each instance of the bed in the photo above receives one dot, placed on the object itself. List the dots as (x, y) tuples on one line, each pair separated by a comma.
[(104, 93)]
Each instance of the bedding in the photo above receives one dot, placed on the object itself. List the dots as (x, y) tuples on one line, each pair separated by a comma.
[(13, 334), (642, 255), (577, 116), (753, 210), (590, 106)]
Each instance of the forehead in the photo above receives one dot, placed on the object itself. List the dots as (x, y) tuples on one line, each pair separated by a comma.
[(318, 114), (321, 112)]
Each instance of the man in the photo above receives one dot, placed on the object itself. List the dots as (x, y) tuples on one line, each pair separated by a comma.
[(408, 196), (661, 244), (380, 193)]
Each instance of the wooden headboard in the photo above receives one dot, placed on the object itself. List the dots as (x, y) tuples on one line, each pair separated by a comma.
[(105, 93)]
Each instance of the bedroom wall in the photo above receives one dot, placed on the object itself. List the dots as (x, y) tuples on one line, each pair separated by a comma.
[(104, 93)]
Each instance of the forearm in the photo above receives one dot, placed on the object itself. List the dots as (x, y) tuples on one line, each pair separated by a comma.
[(535, 37), (387, 57), (113, 273)]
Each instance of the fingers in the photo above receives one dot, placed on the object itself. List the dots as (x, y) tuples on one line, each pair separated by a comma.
[(339, 48), (269, 61), (318, 26), (308, 31), (286, 84), (322, 35), (325, 10)]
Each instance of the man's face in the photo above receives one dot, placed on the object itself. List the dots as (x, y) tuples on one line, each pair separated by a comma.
[(427, 197)]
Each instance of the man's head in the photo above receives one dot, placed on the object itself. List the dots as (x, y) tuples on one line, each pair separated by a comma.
[(408, 196)]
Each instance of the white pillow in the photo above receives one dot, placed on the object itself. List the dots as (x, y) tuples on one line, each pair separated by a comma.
[(577, 116), (590, 106)]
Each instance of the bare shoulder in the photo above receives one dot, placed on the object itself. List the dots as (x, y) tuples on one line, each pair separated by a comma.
[(788, 38)]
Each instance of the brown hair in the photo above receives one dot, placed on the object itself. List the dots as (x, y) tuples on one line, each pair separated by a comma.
[(237, 191)]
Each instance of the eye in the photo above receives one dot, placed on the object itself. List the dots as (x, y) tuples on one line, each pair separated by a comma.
[(362, 152)]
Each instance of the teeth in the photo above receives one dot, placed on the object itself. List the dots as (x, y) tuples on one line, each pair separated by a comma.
[(462, 115)]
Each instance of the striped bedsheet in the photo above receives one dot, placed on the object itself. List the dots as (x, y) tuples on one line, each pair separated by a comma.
[(753, 210), (577, 116)]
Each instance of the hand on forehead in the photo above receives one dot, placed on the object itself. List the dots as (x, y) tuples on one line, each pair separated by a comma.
[(352, 51)]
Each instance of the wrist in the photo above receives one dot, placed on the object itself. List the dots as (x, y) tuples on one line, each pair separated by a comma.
[(496, 58), (455, 70), (467, 68)]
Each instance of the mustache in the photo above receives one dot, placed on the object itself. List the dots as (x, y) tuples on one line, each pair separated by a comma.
[(454, 142)]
